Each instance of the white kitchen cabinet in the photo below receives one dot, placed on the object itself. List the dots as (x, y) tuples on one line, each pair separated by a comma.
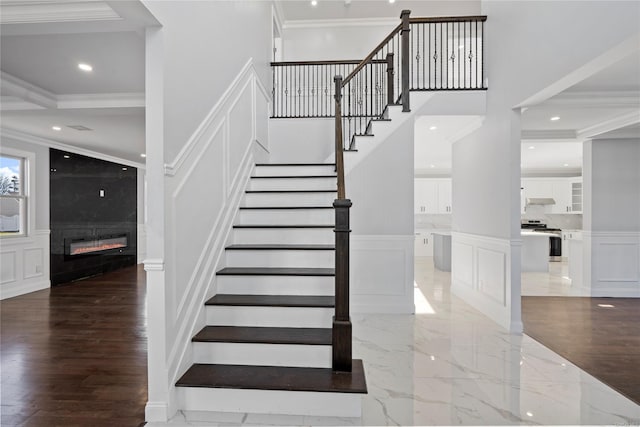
[(444, 196), (423, 244), (576, 195), (562, 195), (432, 196), (425, 196), (565, 244), (566, 192)]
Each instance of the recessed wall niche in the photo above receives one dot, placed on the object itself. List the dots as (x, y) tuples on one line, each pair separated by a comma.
[(92, 216)]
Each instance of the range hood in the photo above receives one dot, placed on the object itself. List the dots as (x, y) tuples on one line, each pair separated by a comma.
[(540, 201)]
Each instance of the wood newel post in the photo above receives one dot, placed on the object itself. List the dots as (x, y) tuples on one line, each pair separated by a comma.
[(338, 136), (406, 105), (390, 88), (341, 341)]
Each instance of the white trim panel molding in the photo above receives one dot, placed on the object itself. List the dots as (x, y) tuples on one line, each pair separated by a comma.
[(481, 275), (612, 263), (381, 273), (25, 264)]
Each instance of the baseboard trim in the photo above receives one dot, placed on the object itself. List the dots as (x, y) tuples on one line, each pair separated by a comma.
[(156, 412), (11, 290)]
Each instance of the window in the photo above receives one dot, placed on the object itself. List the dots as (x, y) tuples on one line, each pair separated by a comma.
[(12, 196)]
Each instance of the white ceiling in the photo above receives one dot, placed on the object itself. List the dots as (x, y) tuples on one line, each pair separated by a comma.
[(43, 42), (295, 10), (605, 105)]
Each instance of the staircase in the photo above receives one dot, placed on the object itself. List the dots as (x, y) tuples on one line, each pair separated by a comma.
[(267, 343)]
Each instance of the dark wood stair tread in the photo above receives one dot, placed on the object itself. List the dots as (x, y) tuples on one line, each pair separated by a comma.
[(275, 378), (320, 301), (284, 226), (275, 247), (290, 191), (293, 176), (275, 271), (262, 335), (284, 207)]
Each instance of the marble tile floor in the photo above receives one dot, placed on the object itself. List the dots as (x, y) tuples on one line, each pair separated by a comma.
[(554, 283), (450, 365)]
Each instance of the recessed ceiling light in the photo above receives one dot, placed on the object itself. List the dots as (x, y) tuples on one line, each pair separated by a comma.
[(554, 118), (143, 155), (566, 164), (56, 128), (124, 169), (85, 67), (392, 1), (314, 2), (529, 414), (432, 166), (66, 156), (433, 128), (606, 305), (531, 147)]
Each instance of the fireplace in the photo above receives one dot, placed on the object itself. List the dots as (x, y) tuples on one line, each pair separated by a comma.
[(96, 245)]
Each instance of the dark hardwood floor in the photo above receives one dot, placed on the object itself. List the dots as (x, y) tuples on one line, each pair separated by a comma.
[(76, 355), (605, 342)]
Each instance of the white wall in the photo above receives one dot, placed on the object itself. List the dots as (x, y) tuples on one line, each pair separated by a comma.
[(206, 43), (301, 140), (141, 214), (532, 51), (207, 111), (25, 260), (381, 189), (611, 235), (356, 38)]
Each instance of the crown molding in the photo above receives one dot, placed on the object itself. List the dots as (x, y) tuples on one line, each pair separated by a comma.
[(615, 123), (17, 135), (564, 135), (597, 99), (326, 23), (47, 11), (101, 100), (26, 91)]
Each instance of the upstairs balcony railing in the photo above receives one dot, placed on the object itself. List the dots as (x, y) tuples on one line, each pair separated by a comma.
[(420, 54)]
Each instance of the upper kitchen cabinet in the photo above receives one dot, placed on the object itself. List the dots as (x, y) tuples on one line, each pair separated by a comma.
[(432, 196), (425, 198), (576, 195), (566, 192)]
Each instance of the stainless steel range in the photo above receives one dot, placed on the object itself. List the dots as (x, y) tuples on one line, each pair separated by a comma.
[(555, 237)]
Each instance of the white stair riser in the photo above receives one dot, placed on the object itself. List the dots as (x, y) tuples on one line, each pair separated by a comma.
[(316, 236), (293, 184), (280, 258), (274, 285), (270, 402), (294, 170), (289, 199), (299, 317), (312, 356), (287, 217)]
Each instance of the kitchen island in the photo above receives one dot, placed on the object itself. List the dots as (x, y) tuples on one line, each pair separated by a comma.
[(535, 251)]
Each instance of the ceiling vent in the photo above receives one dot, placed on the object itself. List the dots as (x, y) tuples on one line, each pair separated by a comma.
[(78, 127)]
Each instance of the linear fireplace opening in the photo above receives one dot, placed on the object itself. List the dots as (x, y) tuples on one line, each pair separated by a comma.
[(96, 244)]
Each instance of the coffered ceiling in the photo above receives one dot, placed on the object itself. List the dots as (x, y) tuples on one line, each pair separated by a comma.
[(42, 44)]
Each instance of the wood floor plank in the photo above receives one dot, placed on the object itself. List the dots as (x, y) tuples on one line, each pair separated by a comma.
[(76, 354), (605, 342)]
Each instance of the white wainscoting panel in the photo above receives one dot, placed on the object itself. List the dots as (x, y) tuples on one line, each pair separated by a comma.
[(24, 264), (142, 243), (381, 275), (204, 187), (615, 263), (8, 263), (481, 276)]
